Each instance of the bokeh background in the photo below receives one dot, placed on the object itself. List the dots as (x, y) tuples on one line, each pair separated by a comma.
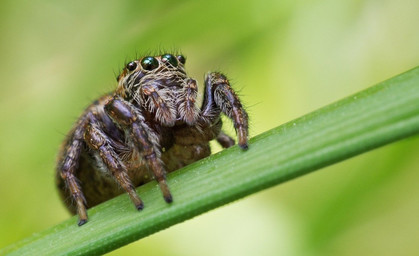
[(287, 58)]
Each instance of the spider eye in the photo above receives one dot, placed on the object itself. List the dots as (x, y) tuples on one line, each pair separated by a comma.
[(149, 63), (182, 59), (132, 65), (168, 58)]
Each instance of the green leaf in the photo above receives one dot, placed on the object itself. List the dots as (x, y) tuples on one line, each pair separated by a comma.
[(379, 115)]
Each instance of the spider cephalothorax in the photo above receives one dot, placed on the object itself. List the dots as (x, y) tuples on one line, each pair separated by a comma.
[(161, 86), (150, 125)]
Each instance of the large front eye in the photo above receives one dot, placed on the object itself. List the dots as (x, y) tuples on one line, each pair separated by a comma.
[(132, 66), (168, 58), (149, 63)]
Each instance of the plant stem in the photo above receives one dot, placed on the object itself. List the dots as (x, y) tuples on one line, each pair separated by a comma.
[(377, 116)]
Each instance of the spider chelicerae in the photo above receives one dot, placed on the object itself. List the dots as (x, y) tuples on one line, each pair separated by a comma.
[(148, 126)]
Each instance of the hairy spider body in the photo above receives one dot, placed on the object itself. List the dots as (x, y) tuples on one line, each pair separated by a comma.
[(149, 126)]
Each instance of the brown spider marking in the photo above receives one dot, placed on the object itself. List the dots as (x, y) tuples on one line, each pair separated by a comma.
[(149, 125)]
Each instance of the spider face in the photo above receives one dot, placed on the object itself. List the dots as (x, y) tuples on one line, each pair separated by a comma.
[(150, 124), (157, 83)]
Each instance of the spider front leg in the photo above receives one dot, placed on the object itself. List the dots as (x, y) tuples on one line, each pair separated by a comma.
[(97, 140), (220, 97), (144, 138)]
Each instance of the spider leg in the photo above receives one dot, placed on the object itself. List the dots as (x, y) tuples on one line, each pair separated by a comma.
[(68, 166), (186, 102), (165, 110), (220, 97), (98, 141), (143, 137), (225, 140)]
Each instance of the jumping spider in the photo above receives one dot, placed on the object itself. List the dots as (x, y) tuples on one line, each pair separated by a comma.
[(149, 126)]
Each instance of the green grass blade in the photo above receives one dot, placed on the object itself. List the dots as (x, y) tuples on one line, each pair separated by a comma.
[(379, 115)]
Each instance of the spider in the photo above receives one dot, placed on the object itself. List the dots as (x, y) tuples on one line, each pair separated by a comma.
[(148, 126)]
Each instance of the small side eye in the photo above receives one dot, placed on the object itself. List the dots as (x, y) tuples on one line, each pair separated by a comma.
[(132, 66), (149, 63), (168, 58), (181, 59)]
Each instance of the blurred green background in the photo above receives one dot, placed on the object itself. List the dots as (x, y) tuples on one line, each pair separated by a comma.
[(287, 58)]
